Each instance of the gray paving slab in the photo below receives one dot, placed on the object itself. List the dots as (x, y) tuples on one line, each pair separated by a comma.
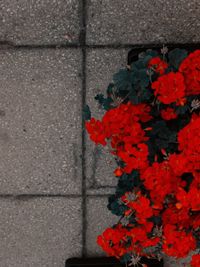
[(101, 65), (139, 22), (98, 219), (39, 22), (101, 191), (40, 122), (39, 232)]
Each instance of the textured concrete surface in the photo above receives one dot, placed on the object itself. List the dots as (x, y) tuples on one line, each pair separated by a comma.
[(39, 232), (138, 21), (40, 137), (99, 218), (39, 22), (53, 193), (101, 65)]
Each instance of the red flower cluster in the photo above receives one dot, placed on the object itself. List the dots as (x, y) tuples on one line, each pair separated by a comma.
[(170, 88), (140, 206), (158, 65), (161, 181), (174, 240), (189, 143), (168, 114), (195, 261), (113, 241), (122, 126), (173, 87), (190, 68), (119, 240), (163, 210)]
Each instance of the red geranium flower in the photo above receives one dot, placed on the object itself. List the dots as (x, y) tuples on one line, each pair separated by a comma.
[(177, 243), (135, 157), (189, 143), (190, 68), (113, 241), (158, 65), (96, 131), (168, 114), (195, 261), (170, 88)]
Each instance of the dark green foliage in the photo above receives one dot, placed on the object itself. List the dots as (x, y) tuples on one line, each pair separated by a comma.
[(157, 220), (86, 113), (115, 206), (176, 56), (126, 183), (104, 102), (160, 137), (110, 89), (181, 110), (122, 80), (148, 52), (126, 258), (135, 81)]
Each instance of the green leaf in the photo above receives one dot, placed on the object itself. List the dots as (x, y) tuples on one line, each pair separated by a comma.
[(176, 56), (110, 89), (143, 77), (182, 109), (152, 53), (115, 207), (161, 137), (157, 220), (104, 102), (86, 113), (125, 258), (122, 79)]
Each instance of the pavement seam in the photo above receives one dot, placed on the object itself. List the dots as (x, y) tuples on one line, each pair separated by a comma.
[(82, 39), (8, 45), (32, 196)]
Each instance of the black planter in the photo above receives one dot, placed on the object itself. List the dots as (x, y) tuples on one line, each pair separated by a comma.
[(106, 262)]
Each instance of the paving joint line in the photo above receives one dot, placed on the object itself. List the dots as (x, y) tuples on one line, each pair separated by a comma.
[(33, 196), (30, 196), (4, 45), (82, 40)]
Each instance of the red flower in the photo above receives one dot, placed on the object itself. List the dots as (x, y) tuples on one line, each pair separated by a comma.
[(140, 206), (118, 172), (158, 65), (178, 217), (190, 68), (195, 261), (179, 164), (189, 143), (160, 180), (170, 88), (95, 129), (135, 157), (177, 243), (168, 114), (140, 238), (113, 241)]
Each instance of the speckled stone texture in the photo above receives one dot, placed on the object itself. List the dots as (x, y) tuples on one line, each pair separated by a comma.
[(99, 218), (40, 136), (39, 232), (55, 56), (39, 22), (139, 22), (101, 65)]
